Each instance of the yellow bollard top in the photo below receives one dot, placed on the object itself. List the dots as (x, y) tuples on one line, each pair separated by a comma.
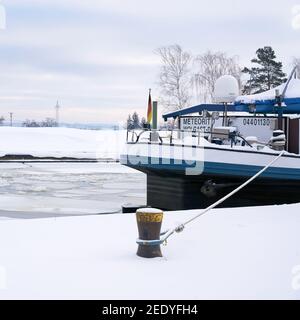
[(149, 215)]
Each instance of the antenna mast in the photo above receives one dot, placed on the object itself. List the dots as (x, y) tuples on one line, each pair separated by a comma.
[(57, 107)]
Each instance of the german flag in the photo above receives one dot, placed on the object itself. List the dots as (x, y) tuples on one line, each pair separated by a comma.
[(149, 113)]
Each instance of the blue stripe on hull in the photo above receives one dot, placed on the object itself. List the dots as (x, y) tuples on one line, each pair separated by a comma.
[(248, 171), (215, 168)]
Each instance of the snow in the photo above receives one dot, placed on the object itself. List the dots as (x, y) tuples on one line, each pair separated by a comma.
[(230, 253), (230, 129), (149, 210), (293, 91), (61, 142), (240, 253)]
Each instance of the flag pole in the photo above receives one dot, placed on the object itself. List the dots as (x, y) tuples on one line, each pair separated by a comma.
[(149, 111)]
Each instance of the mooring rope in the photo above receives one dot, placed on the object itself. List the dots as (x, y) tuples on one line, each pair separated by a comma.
[(182, 226)]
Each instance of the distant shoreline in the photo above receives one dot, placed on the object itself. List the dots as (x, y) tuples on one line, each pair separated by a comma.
[(19, 158)]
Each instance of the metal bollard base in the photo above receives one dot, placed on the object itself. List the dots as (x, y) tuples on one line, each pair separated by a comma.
[(149, 251), (149, 223)]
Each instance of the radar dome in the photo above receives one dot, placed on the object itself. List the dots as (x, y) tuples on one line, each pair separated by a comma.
[(226, 89)]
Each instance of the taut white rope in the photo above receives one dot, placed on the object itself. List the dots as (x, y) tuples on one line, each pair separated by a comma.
[(181, 227)]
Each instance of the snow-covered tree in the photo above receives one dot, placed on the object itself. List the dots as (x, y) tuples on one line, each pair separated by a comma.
[(143, 122), (175, 77), (296, 63), (136, 120), (49, 122), (266, 75), (129, 123), (209, 67), (133, 121), (30, 123)]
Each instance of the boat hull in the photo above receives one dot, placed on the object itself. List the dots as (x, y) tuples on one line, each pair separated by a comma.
[(169, 187), (171, 191)]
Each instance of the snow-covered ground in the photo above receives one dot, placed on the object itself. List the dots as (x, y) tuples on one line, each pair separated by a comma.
[(230, 253), (68, 188), (61, 142)]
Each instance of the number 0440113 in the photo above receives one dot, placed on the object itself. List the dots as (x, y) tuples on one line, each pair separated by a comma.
[(256, 122)]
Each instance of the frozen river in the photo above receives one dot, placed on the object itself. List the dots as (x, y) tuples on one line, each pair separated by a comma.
[(49, 189)]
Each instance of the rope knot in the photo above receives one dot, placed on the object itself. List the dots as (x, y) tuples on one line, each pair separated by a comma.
[(180, 228)]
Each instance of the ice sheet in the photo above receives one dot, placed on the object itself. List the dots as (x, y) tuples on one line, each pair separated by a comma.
[(64, 188)]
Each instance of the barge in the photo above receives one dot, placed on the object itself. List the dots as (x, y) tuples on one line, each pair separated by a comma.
[(217, 147)]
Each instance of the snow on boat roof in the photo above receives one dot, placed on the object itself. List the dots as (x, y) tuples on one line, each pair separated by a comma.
[(293, 91), (237, 253)]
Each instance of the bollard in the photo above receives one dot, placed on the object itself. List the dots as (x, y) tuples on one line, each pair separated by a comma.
[(149, 223)]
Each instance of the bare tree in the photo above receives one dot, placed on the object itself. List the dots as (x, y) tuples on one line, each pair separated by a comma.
[(49, 122), (175, 77), (296, 63), (30, 124), (210, 66)]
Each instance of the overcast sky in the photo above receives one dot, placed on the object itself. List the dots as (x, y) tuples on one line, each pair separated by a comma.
[(97, 56)]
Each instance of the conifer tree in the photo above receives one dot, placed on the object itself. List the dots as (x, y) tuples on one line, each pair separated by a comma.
[(266, 75), (129, 123), (136, 120)]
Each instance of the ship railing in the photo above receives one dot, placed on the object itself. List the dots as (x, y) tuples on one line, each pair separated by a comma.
[(177, 136)]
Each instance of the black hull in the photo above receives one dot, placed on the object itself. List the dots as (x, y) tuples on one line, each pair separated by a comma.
[(170, 190)]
